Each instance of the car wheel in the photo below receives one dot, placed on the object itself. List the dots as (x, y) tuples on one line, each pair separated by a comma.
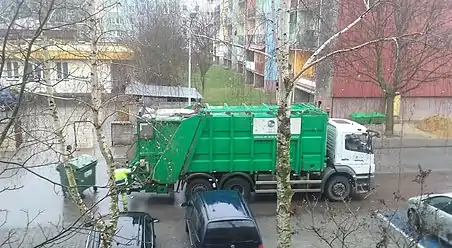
[(240, 184), (338, 188), (414, 220), (196, 185)]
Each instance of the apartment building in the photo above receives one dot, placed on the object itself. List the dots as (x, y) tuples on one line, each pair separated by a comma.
[(248, 23), (67, 57), (69, 67), (346, 90)]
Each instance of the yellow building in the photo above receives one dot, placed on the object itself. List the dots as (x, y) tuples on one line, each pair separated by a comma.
[(69, 66)]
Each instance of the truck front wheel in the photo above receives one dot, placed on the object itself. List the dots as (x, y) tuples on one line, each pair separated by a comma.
[(195, 185), (338, 188)]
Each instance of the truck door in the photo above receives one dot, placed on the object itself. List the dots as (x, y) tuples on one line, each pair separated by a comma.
[(356, 154)]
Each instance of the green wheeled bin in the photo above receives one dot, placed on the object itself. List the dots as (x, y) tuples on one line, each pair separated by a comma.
[(84, 167), (368, 118)]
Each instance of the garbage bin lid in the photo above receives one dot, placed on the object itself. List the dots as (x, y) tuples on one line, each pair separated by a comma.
[(82, 161)]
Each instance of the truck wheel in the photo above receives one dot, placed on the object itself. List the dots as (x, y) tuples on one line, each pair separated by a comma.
[(196, 185), (240, 184), (338, 188)]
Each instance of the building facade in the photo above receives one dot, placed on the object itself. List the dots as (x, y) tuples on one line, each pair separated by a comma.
[(248, 23), (69, 67)]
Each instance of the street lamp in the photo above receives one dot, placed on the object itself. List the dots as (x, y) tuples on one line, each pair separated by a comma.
[(192, 17)]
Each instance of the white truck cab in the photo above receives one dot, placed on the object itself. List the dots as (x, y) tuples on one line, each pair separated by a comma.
[(349, 144)]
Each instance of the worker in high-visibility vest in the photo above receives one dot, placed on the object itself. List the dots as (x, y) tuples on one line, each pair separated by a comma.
[(121, 176)]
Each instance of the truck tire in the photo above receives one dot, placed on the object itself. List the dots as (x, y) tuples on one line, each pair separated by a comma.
[(240, 184), (197, 184), (338, 188)]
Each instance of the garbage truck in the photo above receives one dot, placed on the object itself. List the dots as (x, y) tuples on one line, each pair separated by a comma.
[(208, 147)]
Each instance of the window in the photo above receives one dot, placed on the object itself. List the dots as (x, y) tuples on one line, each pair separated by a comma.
[(35, 71), (356, 142), (237, 231), (38, 71), (439, 202), (293, 17), (12, 69), (62, 70)]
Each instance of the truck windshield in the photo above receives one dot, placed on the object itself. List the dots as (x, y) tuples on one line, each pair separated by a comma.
[(357, 142)]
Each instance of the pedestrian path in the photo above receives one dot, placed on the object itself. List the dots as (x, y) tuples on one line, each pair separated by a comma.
[(399, 222)]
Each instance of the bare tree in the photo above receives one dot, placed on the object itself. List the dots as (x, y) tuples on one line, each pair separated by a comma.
[(22, 42), (406, 63), (286, 84), (159, 42), (204, 25)]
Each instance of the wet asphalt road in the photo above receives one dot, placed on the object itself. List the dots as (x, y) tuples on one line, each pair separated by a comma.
[(40, 199)]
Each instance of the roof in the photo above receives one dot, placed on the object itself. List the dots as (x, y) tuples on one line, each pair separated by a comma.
[(129, 229), (306, 85), (448, 194), (347, 125), (140, 89), (224, 204), (166, 114)]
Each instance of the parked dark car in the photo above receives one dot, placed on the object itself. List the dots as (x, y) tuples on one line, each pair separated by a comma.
[(134, 230), (7, 99), (221, 219)]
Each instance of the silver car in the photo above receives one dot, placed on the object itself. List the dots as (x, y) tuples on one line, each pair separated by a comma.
[(432, 214)]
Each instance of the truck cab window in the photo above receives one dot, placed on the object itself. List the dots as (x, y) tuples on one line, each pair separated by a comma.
[(146, 131), (356, 142)]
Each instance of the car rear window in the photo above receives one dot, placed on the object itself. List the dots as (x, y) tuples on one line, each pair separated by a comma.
[(232, 232)]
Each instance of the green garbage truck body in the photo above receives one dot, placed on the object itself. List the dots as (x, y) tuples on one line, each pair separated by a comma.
[(234, 147)]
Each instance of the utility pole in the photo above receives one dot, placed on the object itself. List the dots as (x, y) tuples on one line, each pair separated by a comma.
[(189, 62), (284, 89), (190, 38)]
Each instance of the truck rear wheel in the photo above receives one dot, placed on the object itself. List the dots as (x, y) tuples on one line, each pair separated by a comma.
[(338, 188), (240, 184), (195, 185)]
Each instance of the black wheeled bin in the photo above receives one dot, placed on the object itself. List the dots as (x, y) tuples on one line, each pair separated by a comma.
[(84, 167)]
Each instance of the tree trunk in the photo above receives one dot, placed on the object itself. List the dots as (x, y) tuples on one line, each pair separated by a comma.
[(284, 189), (389, 123), (284, 90), (18, 134), (203, 82), (58, 130), (98, 118)]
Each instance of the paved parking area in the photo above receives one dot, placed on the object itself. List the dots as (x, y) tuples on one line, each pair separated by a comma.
[(398, 221)]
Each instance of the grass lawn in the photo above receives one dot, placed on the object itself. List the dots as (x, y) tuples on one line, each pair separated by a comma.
[(225, 86)]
